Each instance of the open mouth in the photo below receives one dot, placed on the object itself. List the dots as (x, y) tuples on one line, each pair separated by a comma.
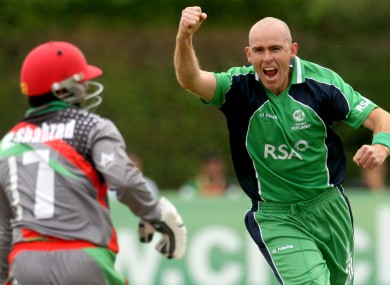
[(270, 72)]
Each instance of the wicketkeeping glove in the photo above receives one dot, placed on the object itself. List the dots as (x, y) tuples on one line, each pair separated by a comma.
[(145, 231), (174, 233)]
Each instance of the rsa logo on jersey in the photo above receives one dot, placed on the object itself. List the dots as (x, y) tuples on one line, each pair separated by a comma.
[(363, 105), (283, 152)]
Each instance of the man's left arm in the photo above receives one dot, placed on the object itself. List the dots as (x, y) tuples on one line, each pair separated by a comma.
[(374, 155)]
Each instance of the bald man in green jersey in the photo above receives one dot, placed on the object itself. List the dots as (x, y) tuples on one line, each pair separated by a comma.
[(287, 157)]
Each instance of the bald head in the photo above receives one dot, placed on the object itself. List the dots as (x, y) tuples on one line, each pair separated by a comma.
[(270, 52), (268, 26)]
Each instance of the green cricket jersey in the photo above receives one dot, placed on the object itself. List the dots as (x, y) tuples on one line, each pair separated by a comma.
[(284, 148)]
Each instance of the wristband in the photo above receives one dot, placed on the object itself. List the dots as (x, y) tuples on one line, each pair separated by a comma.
[(382, 138)]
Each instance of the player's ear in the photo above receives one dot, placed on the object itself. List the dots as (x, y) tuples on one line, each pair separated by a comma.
[(294, 50), (248, 54)]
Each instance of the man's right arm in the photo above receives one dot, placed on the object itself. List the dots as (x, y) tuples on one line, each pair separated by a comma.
[(5, 235), (188, 72)]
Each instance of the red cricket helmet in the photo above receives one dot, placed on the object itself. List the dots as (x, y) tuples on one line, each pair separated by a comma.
[(51, 63)]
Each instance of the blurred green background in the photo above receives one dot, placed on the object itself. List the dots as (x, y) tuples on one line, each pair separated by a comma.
[(133, 42)]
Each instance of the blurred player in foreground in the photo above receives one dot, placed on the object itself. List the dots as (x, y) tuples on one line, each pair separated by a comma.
[(288, 160), (56, 165)]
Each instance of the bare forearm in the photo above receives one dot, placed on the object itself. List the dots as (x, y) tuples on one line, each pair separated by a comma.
[(378, 121), (186, 63), (190, 76), (188, 72)]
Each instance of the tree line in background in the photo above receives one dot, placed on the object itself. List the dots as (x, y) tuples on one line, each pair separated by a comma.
[(133, 42)]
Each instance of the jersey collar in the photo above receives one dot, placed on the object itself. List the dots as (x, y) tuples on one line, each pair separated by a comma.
[(50, 107), (298, 75)]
